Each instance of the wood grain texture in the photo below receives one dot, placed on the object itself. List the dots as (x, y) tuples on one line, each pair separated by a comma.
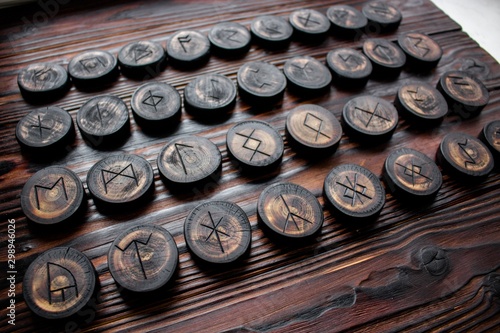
[(416, 268)]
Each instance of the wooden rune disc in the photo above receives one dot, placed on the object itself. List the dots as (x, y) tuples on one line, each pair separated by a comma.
[(156, 105), (260, 83), (209, 95), (386, 57), (120, 179), (229, 39), (46, 129), (218, 232), (421, 103), (52, 195), (490, 136), (255, 144), (142, 59), (42, 82), (59, 283), (346, 20), (350, 68), (271, 31), (465, 94), (409, 173), (92, 69), (188, 48), (421, 50), (381, 16), (290, 210), (103, 119), (307, 75), (369, 118), (189, 159), (309, 25), (143, 258), (354, 192), (312, 128), (465, 156)]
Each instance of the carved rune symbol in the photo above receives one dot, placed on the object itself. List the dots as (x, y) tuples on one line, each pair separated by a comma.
[(215, 231), (419, 43), (182, 40), (304, 69), (257, 77), (178, 147), (41, 76), (463, 147), (60, 279), (460, 81), (99, 115), (292, 216), (272, 27), (122, 173), (354, 191), (152, 100), (252, 144), (40, 127), (314, 123), (383, 51), (413, 170), (372, 115), (380, 8), (135, 243), (229, 33), (91, 63), (50, 188), (307, 19), (141, 52), (214, 92), (415, 96), (349, 59), (341, 13)]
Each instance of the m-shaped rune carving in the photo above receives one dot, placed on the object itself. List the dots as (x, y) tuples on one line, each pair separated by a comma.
[(50, 188), (121, 173), (420, 44)]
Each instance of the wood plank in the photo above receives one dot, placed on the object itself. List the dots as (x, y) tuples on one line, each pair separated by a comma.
[(369, 279)]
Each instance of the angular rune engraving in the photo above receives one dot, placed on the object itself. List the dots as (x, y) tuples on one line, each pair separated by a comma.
[(413, 170), (215, 92), (141, 52), (252, 144), (383, 51), (292, 216), (182, 40), (178, 147), (380, 8), (315, 124), (460, 81), (272, 27), (91, 63), (229, 33), (349, 58), (134, 243), (341, 13), (415, 96), (463, 147), (307, 19), (215, 231), (116, 174), (41, 76), (59, 279), (372, 114), (40, 127), (50, 188), (419, 43), (257, 78), (304, 69), (354, 191), (152, 100)]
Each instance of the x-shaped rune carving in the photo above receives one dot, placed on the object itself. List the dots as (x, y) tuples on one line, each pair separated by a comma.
[(250, 140), (354, 191), (292, 216), (412, 170), (372, 114), (40, 127), (307, 19), (215, 231)]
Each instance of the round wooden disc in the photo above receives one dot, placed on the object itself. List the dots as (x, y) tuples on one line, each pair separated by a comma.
[(464, 155), (386, 57), (188, 48), (229, 39), (218, 232), (310, 25), (314, 128), (52, 195), (59, 283), (408, 172), (142, 58), (290, 210), (421, 50), (307, 75), (370, 118), (421, 103), (189, 159), (255, 144), (103, 119), (143, 258), (383, 17), (346, 20), (120, 179), (260, 82), (490, 135), (156, 103), (354, 192), (43, 81), (209, 95), (271, 31), (93, 68), (465, 94), (46, 128), (349, 67)]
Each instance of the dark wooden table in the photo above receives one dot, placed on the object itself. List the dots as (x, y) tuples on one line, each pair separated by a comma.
[(368, 279)]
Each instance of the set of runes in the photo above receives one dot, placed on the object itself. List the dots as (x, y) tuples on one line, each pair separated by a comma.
[(145, 258)]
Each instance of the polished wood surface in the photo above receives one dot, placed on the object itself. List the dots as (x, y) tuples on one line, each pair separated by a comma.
[(416, 268)]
